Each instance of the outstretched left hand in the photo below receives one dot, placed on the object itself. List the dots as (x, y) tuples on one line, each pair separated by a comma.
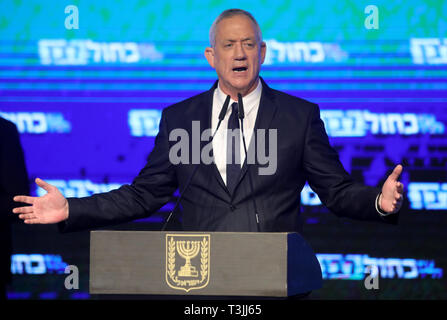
[(392, 195)]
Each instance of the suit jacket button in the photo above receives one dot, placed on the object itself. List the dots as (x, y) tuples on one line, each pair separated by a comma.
[(232, 208)]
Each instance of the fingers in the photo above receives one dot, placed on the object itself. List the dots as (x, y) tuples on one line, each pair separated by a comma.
[(398, 193), (44, 185), (392, 199), (24, 199), (398, 197), (27, 216), (396, 172), (27, 209), (31, 221)]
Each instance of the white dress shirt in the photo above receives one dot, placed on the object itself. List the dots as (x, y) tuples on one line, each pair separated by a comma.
[(251, 106)]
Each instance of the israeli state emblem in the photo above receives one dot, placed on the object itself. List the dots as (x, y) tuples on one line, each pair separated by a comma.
[(187, 261)]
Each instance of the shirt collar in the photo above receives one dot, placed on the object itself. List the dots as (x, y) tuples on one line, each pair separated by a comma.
[(250, 100)]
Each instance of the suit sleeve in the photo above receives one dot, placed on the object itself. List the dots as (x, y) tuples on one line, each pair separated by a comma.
[(149, 191), (335, 187), (13, 173)]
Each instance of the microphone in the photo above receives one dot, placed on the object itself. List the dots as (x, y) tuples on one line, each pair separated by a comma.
[(241, 116), (222, 113)]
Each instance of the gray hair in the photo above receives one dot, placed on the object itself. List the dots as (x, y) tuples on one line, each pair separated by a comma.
[(228, 14)]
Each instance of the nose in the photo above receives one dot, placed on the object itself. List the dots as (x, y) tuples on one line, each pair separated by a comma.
[(239, 53)]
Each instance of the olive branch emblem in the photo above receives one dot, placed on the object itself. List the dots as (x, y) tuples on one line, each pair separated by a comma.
[(204, 259), (171, 259)]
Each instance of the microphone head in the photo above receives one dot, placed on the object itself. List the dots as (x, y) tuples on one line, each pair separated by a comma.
[(224, 108), (240, 106)]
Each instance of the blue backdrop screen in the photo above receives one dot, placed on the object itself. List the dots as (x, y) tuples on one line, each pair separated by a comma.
[(85, 83)]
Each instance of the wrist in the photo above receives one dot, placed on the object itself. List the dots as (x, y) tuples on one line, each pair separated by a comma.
[(66, 210), (380, 202), (378, 205)]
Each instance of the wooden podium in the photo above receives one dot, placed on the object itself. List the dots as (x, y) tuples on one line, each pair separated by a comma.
[(202, 263)]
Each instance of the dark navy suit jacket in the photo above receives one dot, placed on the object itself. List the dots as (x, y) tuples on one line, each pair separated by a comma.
[(303, 153), (13, 181)]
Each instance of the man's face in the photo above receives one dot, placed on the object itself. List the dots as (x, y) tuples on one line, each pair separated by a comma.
[(237, 55)]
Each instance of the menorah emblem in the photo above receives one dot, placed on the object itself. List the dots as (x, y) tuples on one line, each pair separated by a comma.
[(188, 250), (195, 249)]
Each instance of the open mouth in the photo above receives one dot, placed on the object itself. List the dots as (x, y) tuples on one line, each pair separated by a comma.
[(240, 69)]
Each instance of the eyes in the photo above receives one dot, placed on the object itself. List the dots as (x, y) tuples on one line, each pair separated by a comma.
[(247, 44)]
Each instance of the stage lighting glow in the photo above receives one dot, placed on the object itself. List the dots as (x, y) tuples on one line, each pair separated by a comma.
[(37, 264), (79, 188), (359, 123), (353, 266), (144, 122), (431, 51), (428, 195), (38, 122), (85, 51)]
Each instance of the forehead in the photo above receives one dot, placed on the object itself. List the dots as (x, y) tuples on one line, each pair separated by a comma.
[(236, 27)]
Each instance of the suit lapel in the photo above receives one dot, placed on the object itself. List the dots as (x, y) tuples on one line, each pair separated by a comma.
[(205, 114), (266, 111)]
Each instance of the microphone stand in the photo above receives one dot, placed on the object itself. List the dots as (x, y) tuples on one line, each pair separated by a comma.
[(241, 116)]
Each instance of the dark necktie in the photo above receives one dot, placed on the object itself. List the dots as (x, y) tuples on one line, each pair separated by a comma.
[(233, 149)]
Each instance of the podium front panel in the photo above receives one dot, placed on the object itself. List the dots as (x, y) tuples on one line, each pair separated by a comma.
[(188, 263)]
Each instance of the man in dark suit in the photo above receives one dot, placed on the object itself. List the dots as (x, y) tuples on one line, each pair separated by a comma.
[(13, 180), (222, 195)]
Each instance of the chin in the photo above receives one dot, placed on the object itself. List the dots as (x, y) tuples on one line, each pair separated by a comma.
[(241, 85)]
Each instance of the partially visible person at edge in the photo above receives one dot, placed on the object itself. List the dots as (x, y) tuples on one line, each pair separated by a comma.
[(13, 180)]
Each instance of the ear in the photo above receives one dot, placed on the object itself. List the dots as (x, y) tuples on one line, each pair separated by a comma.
[(209, 55), (263, 51)]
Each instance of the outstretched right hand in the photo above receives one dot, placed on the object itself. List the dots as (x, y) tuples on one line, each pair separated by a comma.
[(50, 208)]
